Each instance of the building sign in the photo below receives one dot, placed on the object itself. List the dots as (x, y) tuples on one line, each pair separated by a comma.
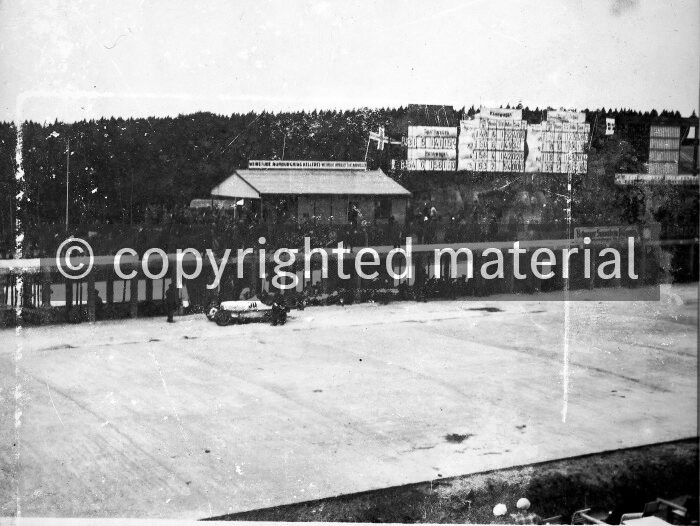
[(605, 234), (492, 144), (626, 179), (432, 148), (308, 165)]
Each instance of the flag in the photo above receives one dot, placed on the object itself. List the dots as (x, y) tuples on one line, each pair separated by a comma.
[(609, 126), (380, 137)]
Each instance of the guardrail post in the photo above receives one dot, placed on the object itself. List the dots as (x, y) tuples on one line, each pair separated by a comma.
[(134, 297), (110, 287), (692, 262), (69, 298), (509, 276), (45, 288), (358, 288), (254, 278), (149, 289), (91, 296)]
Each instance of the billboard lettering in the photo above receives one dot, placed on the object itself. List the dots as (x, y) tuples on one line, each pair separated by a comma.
[(493, 143), (500, 113), (566, 116), (430, 148), (308, 165)]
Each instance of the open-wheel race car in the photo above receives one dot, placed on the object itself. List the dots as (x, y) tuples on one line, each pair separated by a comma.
[(245, 311)]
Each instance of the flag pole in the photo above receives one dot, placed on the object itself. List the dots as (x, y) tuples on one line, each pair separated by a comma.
[(595, 123)]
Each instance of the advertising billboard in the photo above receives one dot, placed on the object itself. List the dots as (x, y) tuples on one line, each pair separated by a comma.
[(492, 144), (533, 163), (430, 148), (664, 149), (558, 146)]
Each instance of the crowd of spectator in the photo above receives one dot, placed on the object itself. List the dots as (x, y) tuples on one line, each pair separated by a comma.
[(218, 229)]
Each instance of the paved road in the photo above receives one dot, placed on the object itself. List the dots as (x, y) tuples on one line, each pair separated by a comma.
[(142, 418)]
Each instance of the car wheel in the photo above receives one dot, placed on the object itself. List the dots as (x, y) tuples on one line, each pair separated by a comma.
[(222, 319)]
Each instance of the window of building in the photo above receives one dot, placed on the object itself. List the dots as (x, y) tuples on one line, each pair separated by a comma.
[(382, 208)]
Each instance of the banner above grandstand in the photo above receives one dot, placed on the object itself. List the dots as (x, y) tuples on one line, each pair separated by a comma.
[(566, 116), (500, 113), (308, 165)]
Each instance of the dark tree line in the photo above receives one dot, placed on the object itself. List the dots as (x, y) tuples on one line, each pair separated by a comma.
[(118, 167)]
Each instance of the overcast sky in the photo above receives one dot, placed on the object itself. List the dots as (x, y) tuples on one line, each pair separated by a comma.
[(74, 60)]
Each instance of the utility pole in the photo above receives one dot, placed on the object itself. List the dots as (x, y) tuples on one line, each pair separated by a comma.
[(67, 177), (567, 306)]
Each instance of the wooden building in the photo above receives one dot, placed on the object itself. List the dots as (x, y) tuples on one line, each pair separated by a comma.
[(330, 191)]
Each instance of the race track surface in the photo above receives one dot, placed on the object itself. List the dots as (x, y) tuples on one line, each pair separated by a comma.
[(140, 418)]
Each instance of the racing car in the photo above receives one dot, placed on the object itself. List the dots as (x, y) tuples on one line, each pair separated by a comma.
[(244, 311)]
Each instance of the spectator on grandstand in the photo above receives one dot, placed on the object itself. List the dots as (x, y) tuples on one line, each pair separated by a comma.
[(433, 213), (417, 214), (354, 214), (430, 235), (393, 233), (451, 231)]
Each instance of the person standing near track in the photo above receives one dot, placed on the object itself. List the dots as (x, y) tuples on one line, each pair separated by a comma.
[(172, 301)]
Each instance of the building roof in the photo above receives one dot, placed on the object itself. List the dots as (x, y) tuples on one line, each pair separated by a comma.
[(235, 187), (254, 183)]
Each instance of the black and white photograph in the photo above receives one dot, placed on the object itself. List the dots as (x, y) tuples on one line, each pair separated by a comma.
[(360, 261)]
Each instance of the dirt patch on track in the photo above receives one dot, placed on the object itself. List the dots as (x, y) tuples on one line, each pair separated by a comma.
[(455, 438), (620, 481)]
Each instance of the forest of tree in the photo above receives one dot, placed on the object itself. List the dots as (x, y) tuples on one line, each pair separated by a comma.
[(118, 167)]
